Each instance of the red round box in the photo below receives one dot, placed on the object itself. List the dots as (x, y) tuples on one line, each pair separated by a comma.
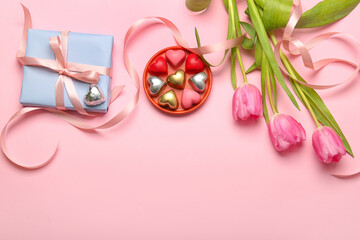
[(180, 110)]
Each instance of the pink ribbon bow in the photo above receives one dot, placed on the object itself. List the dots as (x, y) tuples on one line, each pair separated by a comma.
[(60, 50)]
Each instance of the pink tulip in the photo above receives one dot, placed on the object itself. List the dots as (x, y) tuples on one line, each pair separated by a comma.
[(328, 145), (247, 102), (285, 131)]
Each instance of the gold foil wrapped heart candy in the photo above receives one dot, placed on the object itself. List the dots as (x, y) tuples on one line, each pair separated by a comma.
[(169, 100), (177, 80)]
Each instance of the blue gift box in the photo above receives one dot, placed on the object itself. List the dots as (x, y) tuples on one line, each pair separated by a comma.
[(38, 86)]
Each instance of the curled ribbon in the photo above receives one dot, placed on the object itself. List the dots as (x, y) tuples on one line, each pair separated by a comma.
[(303, 49)]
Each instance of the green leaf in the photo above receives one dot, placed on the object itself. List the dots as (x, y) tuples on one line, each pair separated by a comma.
[(263, 91), (260, 3), (321, 111), (233, 69), (249, 29), (264, 41), (247, 12), (226, 5), (260, 9), (251, 68), (258, 54), (296, 90), (276, 13), (258, 58), (273, 85), (325, 12), (248, 43)]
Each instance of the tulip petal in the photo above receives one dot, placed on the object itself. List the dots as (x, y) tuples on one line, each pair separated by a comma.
[(328, 145), (247, 103), (285, 131)]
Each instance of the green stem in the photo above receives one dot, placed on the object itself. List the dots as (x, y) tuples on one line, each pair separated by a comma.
[(231, 35), (241, 64), (306, 101), (269, 89), (232, 16), (236, 18), (289, 68), (266, 76)]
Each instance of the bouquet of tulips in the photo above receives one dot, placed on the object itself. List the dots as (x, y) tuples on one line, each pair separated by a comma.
[(267, 16)]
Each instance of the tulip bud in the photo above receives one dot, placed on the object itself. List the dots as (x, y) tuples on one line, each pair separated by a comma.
[(285, 131), (328, 145), (247, 102)]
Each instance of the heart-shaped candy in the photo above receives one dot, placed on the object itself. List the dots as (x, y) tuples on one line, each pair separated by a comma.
[(155, 85), (95, 96), (189, 98), (198, 82), (175, 57), (177, 80), (159, 66), (169, 99), (194, 64)]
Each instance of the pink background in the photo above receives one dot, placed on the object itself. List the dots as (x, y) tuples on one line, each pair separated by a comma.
[(201, 176)]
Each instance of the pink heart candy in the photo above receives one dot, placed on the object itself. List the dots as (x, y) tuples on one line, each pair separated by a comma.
[(175, 57), (189, 98)]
